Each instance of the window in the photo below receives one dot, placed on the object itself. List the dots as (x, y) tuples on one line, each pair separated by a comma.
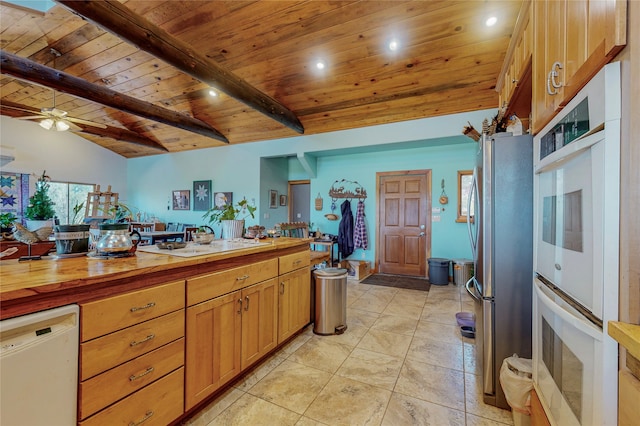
[(66, 197), (465, 178)]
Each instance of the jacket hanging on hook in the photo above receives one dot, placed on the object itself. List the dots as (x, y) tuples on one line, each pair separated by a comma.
[(360, 232), (345, 230)]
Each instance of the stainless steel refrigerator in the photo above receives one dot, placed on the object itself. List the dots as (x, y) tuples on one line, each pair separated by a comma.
[(501, 235)]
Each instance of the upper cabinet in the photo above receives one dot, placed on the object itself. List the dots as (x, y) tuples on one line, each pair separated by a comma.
[(572, 41), (514, 81)]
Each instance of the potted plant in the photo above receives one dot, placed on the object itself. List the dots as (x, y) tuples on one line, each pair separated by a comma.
[(73, 238), (40, 208), (6, 222), (231, 217)]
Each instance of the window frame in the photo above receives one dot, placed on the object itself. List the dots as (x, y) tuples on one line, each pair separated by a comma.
[(462, 206)]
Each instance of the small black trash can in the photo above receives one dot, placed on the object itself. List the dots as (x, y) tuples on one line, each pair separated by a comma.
[(439, 271)]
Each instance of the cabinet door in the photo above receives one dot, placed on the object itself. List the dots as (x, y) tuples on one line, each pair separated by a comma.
[(294, 300), (259, 321), (549, 43), (213, 346)]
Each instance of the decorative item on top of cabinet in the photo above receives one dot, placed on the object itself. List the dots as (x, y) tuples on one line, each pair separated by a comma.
[(572, 41)]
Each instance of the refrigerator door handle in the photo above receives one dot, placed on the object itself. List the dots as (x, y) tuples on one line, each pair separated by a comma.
[(473, 293), (473, 195)]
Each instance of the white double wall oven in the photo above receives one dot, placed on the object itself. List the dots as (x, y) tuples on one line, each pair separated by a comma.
[(576, 235)]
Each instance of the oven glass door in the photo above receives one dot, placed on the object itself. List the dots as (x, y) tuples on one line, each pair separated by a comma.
[(569, 226), (568, 348)]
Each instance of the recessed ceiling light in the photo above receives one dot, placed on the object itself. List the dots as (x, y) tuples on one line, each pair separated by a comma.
[(320, 64), (213, 93), (491, 21), (394, 45)]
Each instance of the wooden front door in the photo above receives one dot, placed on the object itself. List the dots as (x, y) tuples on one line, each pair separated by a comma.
[(404, 225)]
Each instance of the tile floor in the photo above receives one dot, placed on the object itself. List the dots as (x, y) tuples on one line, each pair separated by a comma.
[(401, 361)]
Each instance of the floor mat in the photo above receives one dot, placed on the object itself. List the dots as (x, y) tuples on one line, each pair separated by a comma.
[(399, 281)]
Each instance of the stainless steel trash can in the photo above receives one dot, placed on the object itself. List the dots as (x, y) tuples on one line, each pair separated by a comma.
[(462, 270), (331, 301)]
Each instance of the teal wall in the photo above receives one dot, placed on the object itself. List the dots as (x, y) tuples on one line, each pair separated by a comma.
[(449, 239), (250, 170)]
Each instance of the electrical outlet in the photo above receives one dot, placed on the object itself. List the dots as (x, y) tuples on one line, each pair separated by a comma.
[(266, 215), (363, 255)]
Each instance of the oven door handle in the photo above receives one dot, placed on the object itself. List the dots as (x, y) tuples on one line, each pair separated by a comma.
[(569, 316)]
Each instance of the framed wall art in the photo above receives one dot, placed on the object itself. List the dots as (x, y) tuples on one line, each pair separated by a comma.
[(201, 195), (221, 199), (181, 199), (273, 199), (283, 200)]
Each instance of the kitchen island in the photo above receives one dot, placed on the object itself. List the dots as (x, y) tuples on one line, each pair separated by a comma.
[(162, 334)]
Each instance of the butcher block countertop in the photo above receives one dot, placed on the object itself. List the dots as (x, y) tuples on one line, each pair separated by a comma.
[(628, 335), (32, 286)]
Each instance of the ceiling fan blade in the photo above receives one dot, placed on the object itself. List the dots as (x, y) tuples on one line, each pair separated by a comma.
[(31, 117), (72, 127), (88, 123), (32, 111)]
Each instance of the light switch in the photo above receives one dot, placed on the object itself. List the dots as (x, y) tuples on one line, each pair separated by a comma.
[(266, 215), (435, 218), (299, 215)]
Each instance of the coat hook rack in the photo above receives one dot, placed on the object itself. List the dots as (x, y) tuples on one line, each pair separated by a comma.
[(345, 189)]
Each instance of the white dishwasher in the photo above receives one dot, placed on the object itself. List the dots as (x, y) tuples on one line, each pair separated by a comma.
[(39, 368)]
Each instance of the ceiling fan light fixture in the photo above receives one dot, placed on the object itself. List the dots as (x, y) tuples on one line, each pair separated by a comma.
[(62, 126), (47, 123)]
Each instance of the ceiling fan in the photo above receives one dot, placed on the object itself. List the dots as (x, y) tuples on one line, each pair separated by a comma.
[(56, 119)]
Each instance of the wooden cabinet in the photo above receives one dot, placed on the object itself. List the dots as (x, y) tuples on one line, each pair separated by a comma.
[(538, 416), (132, 357), (238, 315), (572, 41), (294, 302), (159, 404), (228, 332), (514, 82), (259, 321), (213, 346)]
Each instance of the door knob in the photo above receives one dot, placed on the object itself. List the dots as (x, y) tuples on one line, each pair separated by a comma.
[(422, 234)]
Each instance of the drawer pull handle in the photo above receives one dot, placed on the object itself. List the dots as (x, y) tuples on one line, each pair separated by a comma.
[(246, 307), (146, 417), (297, 262), (140, 308), (242, 278), (146, 339), (144, 373)]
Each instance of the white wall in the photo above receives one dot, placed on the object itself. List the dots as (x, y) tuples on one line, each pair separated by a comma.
[(65, 156)]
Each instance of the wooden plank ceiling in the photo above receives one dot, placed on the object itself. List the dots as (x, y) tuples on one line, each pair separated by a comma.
[(447, 62)]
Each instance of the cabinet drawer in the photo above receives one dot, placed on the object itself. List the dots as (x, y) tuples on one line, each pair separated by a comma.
[(216, 284), (294, 261), (106, 352), (108, 315), (157, 404), (112, 385)]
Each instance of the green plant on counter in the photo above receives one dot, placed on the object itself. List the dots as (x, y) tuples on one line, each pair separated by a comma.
[(240, 211), (7, 219), (40, 204)]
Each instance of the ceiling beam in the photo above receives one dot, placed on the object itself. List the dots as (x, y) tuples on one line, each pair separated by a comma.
[(9, 109), (121, 21), (34, 72)]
